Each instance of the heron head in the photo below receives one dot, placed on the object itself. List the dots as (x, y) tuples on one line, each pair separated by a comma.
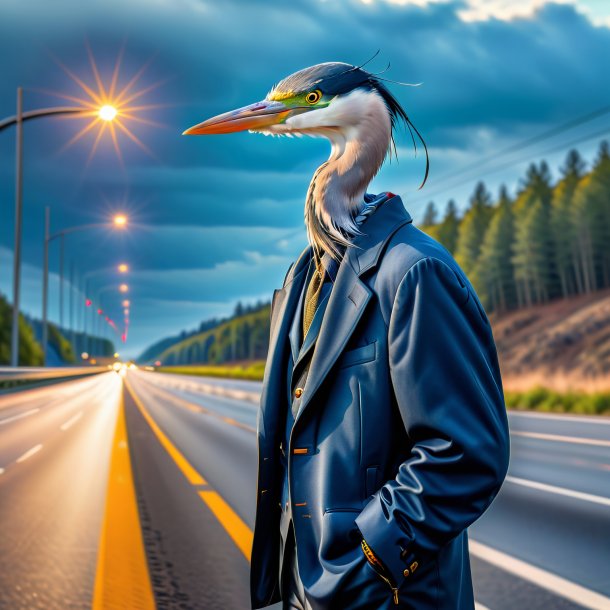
[(323, 100), (308, 101)]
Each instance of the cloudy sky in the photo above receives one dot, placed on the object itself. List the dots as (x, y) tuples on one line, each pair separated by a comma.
[(218, 219)]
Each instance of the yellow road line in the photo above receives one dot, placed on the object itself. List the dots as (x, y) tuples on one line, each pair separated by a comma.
[(235, 527), (122, 580), (189, 472), (233, 524)]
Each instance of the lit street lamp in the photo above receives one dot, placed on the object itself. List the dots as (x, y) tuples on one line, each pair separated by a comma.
[(105, 113), (48, 237)]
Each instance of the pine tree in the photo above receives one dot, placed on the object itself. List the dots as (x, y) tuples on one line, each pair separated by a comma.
[(531, 253), (592, 223), (562, 225), (537, 187), (472, 228), (494, 268), (430, 215), (447, 232)]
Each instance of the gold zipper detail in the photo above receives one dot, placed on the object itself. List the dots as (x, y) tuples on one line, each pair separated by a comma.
[(367, 550), (394, 589)]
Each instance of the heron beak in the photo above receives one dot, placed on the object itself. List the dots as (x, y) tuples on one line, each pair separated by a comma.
[(256, 116)]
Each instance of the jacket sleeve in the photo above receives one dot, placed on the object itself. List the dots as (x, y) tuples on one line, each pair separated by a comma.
[(448, 389)]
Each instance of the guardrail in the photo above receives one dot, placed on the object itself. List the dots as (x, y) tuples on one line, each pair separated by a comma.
[(14, 376)]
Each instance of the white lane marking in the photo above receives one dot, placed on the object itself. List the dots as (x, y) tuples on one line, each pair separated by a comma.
[(560, 438), (556, 584), (29, 453), (71, 421), (8, 420), (478, 606), (562, 491), (591, 419)]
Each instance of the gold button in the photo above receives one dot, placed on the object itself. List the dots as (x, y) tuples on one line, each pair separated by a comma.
[(406, 572), (298, 392), (414, 566)]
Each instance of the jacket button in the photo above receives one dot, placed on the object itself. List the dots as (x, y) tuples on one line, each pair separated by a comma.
[(298, 392), (406, 572)]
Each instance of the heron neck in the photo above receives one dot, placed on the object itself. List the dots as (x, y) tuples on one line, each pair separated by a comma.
[(338, 186)]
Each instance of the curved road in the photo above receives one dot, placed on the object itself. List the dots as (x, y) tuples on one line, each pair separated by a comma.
[(544, 543)]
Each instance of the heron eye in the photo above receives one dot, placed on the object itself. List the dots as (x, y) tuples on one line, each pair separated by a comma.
[(313, 96)]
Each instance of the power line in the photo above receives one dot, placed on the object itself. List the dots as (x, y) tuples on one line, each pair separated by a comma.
[(545, 135), (498, 168)]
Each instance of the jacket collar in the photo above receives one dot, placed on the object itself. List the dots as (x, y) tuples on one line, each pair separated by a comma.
[(376, 231)]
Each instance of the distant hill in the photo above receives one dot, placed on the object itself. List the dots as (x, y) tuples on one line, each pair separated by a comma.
[(65, 346), (241, 337), (152, 353), (562, 345)]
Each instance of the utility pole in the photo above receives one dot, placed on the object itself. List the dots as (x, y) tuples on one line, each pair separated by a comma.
[(18, 223), (45, 283), (71, 306), (61, 282), (87, 339)]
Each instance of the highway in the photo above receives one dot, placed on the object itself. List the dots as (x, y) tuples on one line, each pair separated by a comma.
[(142, 488)]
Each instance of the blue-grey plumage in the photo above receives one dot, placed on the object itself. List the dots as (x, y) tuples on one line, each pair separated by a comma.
[(350, 107)]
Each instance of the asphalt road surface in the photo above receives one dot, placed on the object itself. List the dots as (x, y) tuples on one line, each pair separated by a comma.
[(139, 492)]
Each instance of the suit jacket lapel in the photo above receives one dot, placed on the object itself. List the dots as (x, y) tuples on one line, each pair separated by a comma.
[(285, 301), (346, 304), (296, 324)]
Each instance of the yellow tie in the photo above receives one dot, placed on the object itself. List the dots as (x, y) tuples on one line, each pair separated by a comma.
[(312, 295)]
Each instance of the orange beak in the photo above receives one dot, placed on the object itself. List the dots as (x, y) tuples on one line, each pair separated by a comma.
[(253, 117)]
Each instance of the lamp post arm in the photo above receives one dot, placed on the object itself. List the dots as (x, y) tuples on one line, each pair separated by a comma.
[(94, 225), (42, 112)]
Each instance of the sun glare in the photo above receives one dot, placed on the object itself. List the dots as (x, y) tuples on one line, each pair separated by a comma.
[(107, 112), (113, 109), (120, 220)]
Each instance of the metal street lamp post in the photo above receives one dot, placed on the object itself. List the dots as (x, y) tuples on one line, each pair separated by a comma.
[(119, 221), (83, 289), (18, 120)]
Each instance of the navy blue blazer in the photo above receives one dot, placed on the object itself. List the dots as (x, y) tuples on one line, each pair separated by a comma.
[(401, 434)]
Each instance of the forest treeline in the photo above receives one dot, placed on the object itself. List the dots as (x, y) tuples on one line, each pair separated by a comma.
[(552, 240), (243, 337), (64, 343)]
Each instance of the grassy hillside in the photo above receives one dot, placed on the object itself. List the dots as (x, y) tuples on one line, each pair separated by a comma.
[(30, 352), (252, 371), (242, 338)]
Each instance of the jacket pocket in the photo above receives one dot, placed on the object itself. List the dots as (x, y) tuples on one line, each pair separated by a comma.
[(339, 533), (358, 355)]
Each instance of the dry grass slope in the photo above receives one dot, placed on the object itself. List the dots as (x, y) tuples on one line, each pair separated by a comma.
[(564, 345)]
